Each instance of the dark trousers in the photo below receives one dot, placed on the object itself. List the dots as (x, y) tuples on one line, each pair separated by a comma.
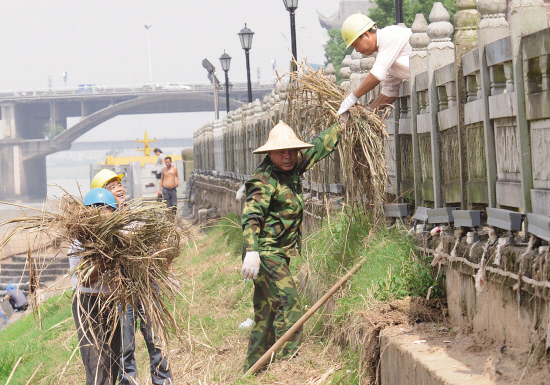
[(160, 372), (19, 308), (99, 344), (170, 195)]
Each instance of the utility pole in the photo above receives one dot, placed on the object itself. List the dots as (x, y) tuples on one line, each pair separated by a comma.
[(148, 28)]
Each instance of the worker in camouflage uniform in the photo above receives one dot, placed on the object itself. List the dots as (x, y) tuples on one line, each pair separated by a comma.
[(271, 223)]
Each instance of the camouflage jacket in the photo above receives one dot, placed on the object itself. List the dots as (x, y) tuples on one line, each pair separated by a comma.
[(273, 211)]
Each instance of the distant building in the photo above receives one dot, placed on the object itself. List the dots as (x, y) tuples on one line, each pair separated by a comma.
[(347, 8)]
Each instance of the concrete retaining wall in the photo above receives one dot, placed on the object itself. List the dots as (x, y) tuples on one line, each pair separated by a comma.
[(20, 242)]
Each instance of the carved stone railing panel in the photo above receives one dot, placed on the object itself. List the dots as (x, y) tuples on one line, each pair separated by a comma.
[(450, 159), (477, 165), (508, 156), (424, 140), (407, 163)]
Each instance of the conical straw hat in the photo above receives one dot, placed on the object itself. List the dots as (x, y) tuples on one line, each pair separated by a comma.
[(281, 137)]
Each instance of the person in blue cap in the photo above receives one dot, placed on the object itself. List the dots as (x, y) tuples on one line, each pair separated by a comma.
[(16, 297), (99, 344), (5, 319)]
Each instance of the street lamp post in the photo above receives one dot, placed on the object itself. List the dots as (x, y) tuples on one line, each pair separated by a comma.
[(225, 59), (246, 35), (398, 11), (148, 28), (212, 77), (291, 6)]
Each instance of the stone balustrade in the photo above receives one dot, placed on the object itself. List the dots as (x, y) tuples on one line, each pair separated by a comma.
[(470, 129)]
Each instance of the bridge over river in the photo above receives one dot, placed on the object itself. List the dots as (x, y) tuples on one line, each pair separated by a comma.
[(25, 114)]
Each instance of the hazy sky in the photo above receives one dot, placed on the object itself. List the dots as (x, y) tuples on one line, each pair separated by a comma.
[(105, 43)]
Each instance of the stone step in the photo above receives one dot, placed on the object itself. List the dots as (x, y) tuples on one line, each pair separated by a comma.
[(48, 265), (20, 286), (25, 273), (15, 280), (23, 258)]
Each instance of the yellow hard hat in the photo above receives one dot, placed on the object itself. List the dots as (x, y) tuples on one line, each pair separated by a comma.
[(354, 26), (105, 176)]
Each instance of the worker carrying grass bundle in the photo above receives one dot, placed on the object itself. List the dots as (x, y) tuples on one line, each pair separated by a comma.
[(392, 61), (123, 254), (99, 339), (271, 222), (160, 371)]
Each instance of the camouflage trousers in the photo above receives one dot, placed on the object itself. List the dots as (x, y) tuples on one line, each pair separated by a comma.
[(276, 308)]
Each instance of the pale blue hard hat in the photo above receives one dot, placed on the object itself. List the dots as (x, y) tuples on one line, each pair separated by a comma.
[(100, 196), (10, 287)]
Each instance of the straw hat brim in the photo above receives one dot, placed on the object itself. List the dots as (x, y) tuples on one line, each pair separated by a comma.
[(282, 137), (266, 147)]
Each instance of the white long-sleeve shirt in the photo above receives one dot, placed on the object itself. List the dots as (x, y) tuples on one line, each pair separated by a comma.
[(392, 61), (74, 260)]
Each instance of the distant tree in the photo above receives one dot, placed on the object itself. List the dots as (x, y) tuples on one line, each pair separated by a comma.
[(384, 13), (335, 51), (49, 134)]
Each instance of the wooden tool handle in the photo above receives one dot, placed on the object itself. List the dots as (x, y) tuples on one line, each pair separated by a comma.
[(303, 319)]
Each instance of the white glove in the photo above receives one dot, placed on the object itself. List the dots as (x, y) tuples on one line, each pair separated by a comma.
[(251, 265), (240, 192), (347, 103)]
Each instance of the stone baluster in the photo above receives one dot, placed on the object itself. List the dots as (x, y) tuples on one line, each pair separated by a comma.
[(355, 77), (419, 41), (450, 88), (493, 26), (479, 91), (345, 73), (367, 62), (471, 89), (331, 72), (509, 75), (440, 53), (527, 16), (497, 79), (543, 63)]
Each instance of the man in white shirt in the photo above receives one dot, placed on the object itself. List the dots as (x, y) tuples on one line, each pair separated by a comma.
[(392, 61)]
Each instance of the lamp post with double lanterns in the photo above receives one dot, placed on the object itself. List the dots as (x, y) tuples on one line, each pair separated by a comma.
[(225, 59), (246, 35), (291, 6)]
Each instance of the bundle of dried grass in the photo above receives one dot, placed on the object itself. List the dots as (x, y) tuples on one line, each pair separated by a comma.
[(131, 249), (313, 104)]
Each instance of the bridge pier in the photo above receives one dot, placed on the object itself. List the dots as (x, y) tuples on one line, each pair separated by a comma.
[(8, 120), (34, 178), (20, 178)]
